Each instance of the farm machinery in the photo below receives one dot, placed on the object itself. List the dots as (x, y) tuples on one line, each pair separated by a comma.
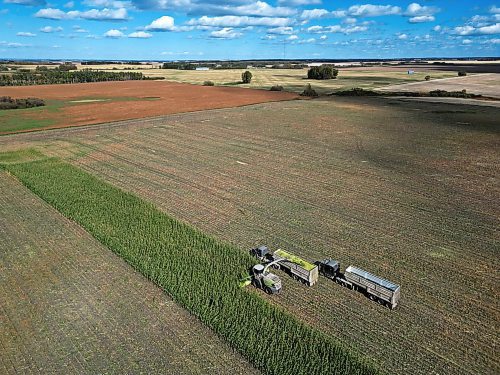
[(376, 288)]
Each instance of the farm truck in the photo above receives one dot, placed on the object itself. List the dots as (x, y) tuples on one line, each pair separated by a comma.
[(376, 288)]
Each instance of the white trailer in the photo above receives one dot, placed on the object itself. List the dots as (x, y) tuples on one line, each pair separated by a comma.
[(378, 289)]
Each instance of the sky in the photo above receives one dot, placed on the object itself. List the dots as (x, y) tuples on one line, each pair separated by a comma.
[(246, 29)]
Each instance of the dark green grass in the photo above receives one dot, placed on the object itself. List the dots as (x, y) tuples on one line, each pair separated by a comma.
[(198, 271)]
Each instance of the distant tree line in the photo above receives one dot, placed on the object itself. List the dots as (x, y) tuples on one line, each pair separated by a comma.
[(6, 102), (57, 77)]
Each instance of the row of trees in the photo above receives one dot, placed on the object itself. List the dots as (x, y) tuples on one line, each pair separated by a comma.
[(56, 77)]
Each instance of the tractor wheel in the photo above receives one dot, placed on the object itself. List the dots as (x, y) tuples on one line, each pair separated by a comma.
[(268, 290)]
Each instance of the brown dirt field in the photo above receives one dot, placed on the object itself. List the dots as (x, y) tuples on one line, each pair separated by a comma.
[(172, 98), (68, 305), (408, 191)]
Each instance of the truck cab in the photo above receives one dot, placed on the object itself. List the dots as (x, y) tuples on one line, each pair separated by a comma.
[(262, 252), (329, 268)]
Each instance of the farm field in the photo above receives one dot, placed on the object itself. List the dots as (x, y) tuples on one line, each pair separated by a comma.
[(407, 191), (294, 80), (93, 103), (70, 305), (483, 84)]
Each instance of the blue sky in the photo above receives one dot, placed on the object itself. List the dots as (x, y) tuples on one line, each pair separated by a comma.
[(247, 29)]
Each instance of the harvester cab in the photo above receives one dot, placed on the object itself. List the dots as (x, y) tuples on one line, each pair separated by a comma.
[(329, 268), (267, 281)]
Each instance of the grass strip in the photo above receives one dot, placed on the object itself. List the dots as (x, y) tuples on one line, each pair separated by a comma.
[(200, 272)]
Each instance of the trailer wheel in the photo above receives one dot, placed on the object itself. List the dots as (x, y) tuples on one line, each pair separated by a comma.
[(268, 290)]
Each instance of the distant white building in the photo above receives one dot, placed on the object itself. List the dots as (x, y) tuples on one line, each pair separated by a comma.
[(410, 72), (202, 68)]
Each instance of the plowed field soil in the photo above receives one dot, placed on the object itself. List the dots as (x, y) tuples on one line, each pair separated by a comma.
[(94, 103), (68, 305)]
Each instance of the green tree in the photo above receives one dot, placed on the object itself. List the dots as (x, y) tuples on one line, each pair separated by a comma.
[(325, 71), (246, 77)]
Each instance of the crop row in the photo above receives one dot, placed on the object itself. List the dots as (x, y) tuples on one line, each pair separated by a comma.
[(198, 271)]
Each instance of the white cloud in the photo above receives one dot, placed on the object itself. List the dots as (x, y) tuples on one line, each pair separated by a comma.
[(293, 37), (92, 14), (240, 21), (25, 34), (50, 29), (78, 29), (113, 33), (51, 14), (226, 33), (420, 19), (140, 35), (13, 45), (415, 9), (283, 30), (437, 28), (69, 4), (336, 29), (350, 21), (466, 41), (260, 8), (310, 14), (164, 23), (484, 30), (494, 10), (369, 10), (403, 36), (323, 37)]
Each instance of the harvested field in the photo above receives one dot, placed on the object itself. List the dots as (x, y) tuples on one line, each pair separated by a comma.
[(69, 305), (294, 80), (408, 191), (89, 103), (482, 84)]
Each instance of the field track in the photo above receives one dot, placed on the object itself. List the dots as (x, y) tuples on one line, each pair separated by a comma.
[(129, 100), (406, 190), (69, 305)]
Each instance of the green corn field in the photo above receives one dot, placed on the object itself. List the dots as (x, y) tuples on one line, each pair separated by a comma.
[(201, 273)]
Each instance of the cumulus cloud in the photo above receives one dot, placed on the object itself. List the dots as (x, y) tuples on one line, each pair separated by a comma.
[(336, 29), (437, 28), (107, 4), (310, 14), (483, 30), (369, 10), (114, 33), (420, 19), (466, 41), (240, 21), (283, 30), (13, 45), (26, 34), (92, 14), (403, 36), (225, 33), (140, 35), (50, 29), (164, 23)]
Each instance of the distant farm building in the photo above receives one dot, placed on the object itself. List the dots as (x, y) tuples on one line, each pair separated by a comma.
[(202, 68), (410, 72)]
